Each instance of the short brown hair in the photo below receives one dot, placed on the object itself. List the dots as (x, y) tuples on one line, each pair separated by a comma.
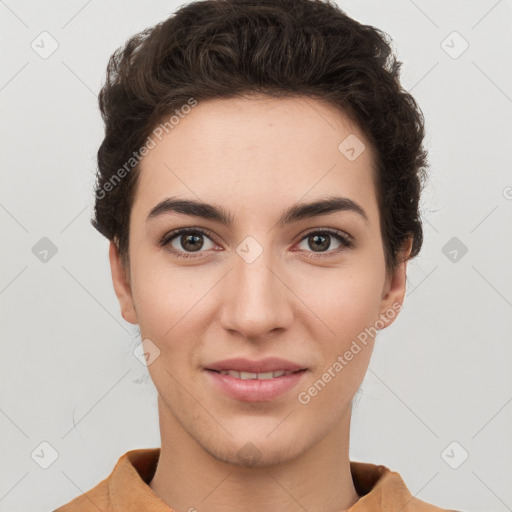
[(226, 48)]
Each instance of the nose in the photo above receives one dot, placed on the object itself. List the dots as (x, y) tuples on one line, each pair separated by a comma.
[(256, 300)]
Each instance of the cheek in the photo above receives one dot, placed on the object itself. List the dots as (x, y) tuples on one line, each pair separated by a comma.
[(171, 302), (349, 313), (346, 299), (347, 302), (161, 297)]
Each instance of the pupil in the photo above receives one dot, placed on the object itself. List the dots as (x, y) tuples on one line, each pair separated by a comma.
[(316, 238), (191, 239)]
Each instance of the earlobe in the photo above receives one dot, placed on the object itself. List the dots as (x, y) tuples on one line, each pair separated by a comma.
[(394, 291), (122, 285)]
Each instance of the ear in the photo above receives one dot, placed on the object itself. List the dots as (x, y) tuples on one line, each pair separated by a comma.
[(394, 289), (122, 285)]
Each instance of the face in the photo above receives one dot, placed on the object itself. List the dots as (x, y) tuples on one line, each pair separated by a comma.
[(307, 289)]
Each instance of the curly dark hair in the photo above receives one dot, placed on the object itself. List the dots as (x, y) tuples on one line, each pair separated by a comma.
[(227, 48)]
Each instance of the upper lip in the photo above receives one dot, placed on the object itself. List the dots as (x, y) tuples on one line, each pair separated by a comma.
[(269, 364)]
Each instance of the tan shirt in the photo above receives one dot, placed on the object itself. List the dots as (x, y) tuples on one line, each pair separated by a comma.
[(127, 489)]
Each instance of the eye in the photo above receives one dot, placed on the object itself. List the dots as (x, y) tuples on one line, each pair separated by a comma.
[(321, 240), (185, 241)]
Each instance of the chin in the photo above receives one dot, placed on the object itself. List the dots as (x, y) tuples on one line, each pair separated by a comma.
[(255, 451)]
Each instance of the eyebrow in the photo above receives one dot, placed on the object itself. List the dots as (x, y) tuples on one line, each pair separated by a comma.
[(295, 213)]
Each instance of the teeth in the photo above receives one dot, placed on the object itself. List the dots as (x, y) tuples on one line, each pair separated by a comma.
[(259, 376)]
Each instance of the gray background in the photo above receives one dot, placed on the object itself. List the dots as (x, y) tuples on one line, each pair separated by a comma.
[(440, 374)]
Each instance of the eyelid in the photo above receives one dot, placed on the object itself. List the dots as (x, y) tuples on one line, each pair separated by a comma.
[(171, 235), (345, 240), (330, 231)]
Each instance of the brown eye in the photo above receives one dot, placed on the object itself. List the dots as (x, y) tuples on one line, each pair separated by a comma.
[(191, 242), (186, 241), (321, 241)]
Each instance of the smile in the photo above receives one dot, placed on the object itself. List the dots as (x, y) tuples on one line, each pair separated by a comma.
[(255, 387), (259, 376)]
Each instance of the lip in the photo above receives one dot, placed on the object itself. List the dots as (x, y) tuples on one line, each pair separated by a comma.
[(269, 364), (254, 390)]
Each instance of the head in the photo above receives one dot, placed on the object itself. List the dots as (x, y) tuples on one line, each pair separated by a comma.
[(257, 109)]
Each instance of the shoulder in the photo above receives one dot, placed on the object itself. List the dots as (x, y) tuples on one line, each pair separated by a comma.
[(382, 489), (124, 487), (91, 501)]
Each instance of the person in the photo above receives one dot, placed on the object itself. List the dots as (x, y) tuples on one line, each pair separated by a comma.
[(259, 182)]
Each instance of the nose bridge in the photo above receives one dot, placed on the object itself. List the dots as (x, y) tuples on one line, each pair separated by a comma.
[(254, 278), (255, 301)]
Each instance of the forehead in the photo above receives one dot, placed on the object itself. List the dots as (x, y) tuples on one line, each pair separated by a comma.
[(256, 152)]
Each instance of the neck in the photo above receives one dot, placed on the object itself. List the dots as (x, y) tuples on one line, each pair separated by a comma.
[(189, 478)]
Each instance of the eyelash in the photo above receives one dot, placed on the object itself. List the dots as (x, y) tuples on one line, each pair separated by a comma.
[(345, 241)]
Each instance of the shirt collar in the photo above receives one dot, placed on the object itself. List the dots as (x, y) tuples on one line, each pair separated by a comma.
[(380, 488)]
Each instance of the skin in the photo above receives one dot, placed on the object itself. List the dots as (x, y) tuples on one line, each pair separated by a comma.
[(241, 154)]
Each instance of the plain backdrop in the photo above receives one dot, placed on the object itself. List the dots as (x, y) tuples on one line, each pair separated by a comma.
[(436, 404)]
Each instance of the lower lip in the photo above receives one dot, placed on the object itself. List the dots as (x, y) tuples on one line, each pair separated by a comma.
[(255, 390)]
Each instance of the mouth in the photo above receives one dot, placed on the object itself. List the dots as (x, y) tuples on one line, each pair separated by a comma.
[(250, 369), (254, 386), (243, 375)]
